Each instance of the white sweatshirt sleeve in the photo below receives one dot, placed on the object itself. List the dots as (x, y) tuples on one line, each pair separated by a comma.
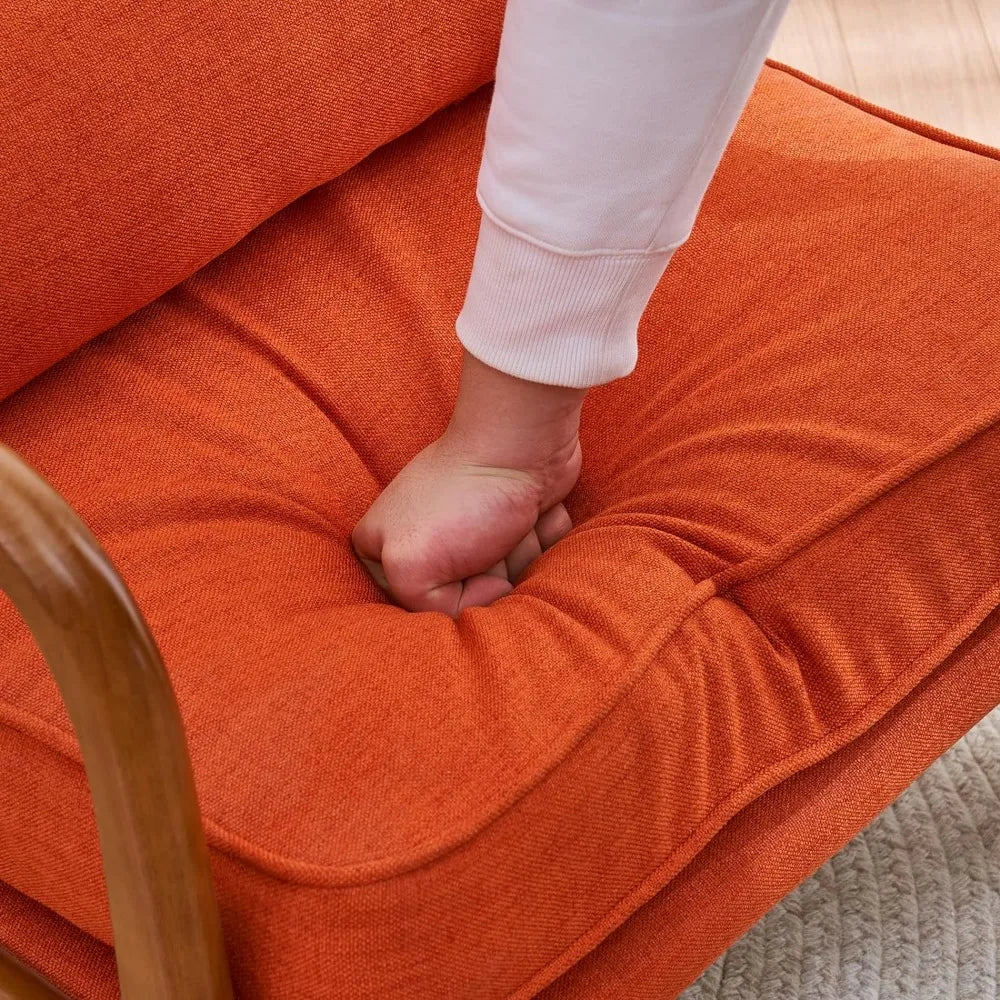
[(607, 122)]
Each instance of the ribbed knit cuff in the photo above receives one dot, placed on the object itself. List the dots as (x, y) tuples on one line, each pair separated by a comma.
[(558, 317)]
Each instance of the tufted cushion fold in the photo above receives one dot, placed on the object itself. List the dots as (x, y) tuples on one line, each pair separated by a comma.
[(783, 573)]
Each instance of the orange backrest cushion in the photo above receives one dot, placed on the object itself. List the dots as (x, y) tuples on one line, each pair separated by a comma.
[(140, 139)]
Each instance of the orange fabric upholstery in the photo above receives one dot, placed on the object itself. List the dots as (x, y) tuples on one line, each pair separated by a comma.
[(142, 138), (764, 850), (773, 612), (68, 958)]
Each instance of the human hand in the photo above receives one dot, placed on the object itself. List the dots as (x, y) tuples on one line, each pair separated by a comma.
[(462, 520)]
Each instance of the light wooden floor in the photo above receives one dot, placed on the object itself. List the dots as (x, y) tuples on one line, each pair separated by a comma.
[(934, 60)]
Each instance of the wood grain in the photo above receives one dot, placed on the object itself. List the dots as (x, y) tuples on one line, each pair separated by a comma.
[(168, 939), (18, 982), (934, 60)]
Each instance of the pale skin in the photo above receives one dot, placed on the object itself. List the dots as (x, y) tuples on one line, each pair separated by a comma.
[(463, 519)]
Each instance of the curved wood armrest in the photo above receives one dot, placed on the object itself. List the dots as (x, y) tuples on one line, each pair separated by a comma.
[(18, 982), (168, 938)]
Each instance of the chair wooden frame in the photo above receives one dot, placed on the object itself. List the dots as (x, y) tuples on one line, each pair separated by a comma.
[(164, 913)]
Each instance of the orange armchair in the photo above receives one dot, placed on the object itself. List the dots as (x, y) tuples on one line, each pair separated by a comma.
[(778, 604)]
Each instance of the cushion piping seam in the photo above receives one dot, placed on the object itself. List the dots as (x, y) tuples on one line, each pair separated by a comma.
[(913, 125)]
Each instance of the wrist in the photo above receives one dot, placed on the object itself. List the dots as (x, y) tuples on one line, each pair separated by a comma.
[(512, 422)]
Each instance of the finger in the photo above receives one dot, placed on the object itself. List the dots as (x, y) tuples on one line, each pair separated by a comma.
[(526, 551), (479, 591), (474, 592), (366, 539), (498, 570), (554, 524), (376, 571), (444, 598), (413, 588)]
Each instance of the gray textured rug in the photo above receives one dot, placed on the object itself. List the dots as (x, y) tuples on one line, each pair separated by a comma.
[(908, 910)]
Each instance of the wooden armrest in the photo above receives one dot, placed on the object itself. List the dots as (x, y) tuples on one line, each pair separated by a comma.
[(18, 982), (168, 938)]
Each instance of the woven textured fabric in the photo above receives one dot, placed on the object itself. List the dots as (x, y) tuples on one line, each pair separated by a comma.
[(70, 959), (141, 138), (910, 908), (788, 525), (767, 849)]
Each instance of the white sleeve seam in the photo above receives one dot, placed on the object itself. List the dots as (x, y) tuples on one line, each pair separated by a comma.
[(563, 251)]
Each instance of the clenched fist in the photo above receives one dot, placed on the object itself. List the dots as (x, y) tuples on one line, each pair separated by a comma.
[(458, 525)]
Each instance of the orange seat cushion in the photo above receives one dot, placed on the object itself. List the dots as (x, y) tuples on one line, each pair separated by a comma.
[(763, 850), (788, 521)]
